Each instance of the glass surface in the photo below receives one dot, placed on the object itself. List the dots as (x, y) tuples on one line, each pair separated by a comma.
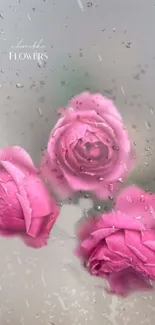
[(101, 45)]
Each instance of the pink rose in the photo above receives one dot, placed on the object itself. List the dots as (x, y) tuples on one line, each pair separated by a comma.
[(120, 246), (88, 149), (26, 209)]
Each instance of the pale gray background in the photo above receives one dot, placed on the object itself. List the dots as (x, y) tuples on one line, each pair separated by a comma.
[(106, 46)]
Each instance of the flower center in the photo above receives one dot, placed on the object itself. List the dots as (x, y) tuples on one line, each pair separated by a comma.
[(96, 150)]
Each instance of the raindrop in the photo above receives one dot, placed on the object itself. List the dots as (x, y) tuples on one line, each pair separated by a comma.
[(32, 85), (17, 73), (40, 111), (58, 162), (37, 315), (2, 71), (42, 82), (89, 4), (151, 110), (148, 125), (142, 198), (129, 199), (101, 179), (114, 29), (2, 31), (86, 213), (19, 85), (120, 180), (39, 64), (1, 16), (98, 207), (115, 148), (128, 45), (86, 196)]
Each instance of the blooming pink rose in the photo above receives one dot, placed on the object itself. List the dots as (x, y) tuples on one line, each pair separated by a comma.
[(120, 246), (88, 149), (26, 208)]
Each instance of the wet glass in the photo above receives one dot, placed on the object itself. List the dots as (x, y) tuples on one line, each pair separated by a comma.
[(51, 50)]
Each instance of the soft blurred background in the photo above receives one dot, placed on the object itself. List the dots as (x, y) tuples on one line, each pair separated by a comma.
[(101, 45)]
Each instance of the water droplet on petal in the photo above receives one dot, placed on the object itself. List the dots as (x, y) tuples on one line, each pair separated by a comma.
[(101, 179), (115, 148), (139, 217), (142, 198), (129, 199), (58, 162), (145, 208), (120, 180), (110, 197)]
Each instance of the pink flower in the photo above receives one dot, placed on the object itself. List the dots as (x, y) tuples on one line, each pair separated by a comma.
[(88, 149), (120, 246), (26, 209)]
